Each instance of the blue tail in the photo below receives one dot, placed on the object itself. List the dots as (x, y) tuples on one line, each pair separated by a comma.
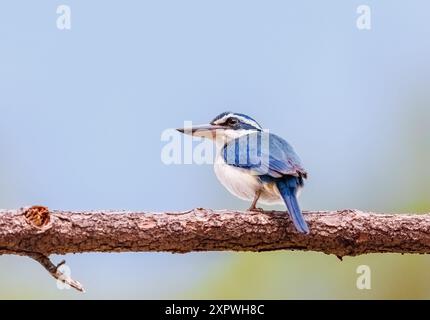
[(288, 189)]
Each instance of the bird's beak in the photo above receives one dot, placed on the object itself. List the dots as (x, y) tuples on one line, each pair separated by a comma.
[(204, 130)]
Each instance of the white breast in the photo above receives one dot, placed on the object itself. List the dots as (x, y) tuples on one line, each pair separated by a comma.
[(236, 180), (241, 182)]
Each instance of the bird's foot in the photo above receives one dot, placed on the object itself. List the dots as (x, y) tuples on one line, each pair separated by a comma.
[(255, 209)]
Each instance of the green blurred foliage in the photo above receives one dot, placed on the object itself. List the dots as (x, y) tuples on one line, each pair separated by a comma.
[(318, 276)]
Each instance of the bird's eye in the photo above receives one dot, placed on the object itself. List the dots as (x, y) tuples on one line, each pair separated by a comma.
[(232, 121)]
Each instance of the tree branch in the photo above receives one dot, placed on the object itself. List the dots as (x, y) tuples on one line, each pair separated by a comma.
[(55, 271), (37, 231)]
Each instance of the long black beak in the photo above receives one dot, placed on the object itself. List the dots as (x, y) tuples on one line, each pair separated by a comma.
[(200, 129)]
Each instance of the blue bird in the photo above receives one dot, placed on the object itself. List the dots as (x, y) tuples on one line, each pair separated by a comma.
[(253, 164)]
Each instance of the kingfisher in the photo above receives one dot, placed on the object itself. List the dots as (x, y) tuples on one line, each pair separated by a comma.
[(253, 164)]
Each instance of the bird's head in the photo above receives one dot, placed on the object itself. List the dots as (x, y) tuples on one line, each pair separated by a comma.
[(226, 126)]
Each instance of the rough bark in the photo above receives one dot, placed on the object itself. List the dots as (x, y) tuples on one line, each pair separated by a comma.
[(37, 233), (342, 233)]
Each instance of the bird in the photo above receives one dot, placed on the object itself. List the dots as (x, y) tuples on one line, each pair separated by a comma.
[(254, 164)]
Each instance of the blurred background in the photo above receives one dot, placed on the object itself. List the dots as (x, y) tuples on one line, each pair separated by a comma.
[(82, 112)]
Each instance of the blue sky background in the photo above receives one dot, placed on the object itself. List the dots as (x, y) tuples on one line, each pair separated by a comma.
[(82, 112)]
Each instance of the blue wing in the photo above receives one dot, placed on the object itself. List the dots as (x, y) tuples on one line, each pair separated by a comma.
[(265, 154), (272, 159)]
